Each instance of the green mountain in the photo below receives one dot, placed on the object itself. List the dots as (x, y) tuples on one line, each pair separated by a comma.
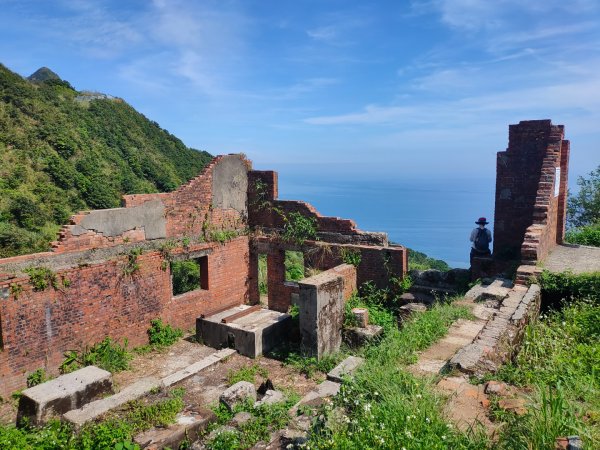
[(61, 152)]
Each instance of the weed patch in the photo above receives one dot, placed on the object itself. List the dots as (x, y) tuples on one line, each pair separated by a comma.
[(107, 354), (42, 278), (161, 335), (247, 373)]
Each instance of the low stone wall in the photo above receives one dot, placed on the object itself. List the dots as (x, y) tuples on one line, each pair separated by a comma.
[(501, 337)]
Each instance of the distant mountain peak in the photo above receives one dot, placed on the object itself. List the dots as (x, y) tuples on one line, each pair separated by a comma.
[(43, 74)]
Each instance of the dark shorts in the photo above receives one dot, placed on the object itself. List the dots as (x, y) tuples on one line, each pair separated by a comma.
[(478, 254)]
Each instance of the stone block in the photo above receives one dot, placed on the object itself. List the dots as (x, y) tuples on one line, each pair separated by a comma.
[(239, 392), (346, 368), (357, 337), (188, 427), (361, 317), (95, 409), (318, 396), (62, 394), (321, 313), (251, 335), (271, 397)]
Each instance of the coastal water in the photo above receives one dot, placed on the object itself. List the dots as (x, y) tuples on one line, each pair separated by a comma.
[(434, 216)]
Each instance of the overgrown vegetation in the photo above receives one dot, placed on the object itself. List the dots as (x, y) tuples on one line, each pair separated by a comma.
[(59, 156), (298, 228), (557, 287), (185, 276), (583, 209), (420, 261), (246, 373), (42, 278), (386, 407), (132, 264), (350, 256), (36, 377), (589, 235), (294, 266), (107, 354), (116, 432), (161, 335), (265, 419), (560, 363)]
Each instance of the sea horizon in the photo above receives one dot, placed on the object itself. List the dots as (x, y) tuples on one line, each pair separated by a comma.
[(433, 216)]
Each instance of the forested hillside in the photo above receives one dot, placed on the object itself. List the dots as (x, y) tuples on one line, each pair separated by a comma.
[(60, 154)]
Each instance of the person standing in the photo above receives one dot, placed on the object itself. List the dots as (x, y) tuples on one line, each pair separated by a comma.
[(480, 238)]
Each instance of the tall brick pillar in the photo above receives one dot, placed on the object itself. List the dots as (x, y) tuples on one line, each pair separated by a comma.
[(530, 200)]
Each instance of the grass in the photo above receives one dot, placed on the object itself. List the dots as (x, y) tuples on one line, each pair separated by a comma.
[(560, 362), (246, 373), (115, 432), (107, 354), (385, 406), (265, 419)]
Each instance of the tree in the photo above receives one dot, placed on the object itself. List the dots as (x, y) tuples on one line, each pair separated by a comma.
[(584, 207)]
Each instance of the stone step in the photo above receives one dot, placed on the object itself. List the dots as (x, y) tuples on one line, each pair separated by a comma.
[(346, 368), (317, 396), (93, 410), (193, 369), (62, 394), (417, 297)]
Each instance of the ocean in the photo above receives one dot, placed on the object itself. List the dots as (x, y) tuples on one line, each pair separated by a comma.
[(434, 216)]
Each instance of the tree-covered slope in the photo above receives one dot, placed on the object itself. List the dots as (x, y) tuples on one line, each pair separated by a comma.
[(59, 155)]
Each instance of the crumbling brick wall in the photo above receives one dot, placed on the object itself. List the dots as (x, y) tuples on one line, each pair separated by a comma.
[(530, 201), (100, 293)]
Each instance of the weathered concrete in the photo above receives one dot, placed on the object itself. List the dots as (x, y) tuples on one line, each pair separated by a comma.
[(317, 396), (93, 410), (498, 289), (576, 258), (271, 397), (239, 392), (357, 337), (251, 335), (230, 184), (346, 368), (321, 306), (113, 222), (188, 426), (193, 369), (63, 394)]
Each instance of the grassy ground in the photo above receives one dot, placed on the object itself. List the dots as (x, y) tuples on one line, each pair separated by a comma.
[(559, 364), (385, 406)]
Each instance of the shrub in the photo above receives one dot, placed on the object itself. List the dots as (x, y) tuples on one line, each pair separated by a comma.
[(584, 207), (567, 285), (36, 377), (41, 278), (107, 354), (186, 276), (589, 235), (162, 335), (299, 228), (350, 256)]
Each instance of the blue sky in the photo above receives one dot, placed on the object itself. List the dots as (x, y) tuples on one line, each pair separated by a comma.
[(358, 89)]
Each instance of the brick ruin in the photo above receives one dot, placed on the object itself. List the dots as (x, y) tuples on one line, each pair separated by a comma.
[(109, 271), (531, 198)]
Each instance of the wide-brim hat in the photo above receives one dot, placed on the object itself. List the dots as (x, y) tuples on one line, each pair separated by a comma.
[(482, 220)]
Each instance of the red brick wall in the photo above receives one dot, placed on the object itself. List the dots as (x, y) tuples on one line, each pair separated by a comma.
[(528, 220), (39, 326)]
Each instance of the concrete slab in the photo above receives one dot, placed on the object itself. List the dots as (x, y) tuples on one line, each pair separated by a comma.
[(576, 258), (62, 394), (346, 368), (317, 396), (251, 335), (193, 369), (357, 337), (93, 410), (188, 426)]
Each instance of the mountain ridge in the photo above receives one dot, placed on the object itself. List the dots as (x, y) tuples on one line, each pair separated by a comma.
[(60, 155)]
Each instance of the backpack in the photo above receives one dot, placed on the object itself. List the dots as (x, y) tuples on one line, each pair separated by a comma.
[(482, 242)]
